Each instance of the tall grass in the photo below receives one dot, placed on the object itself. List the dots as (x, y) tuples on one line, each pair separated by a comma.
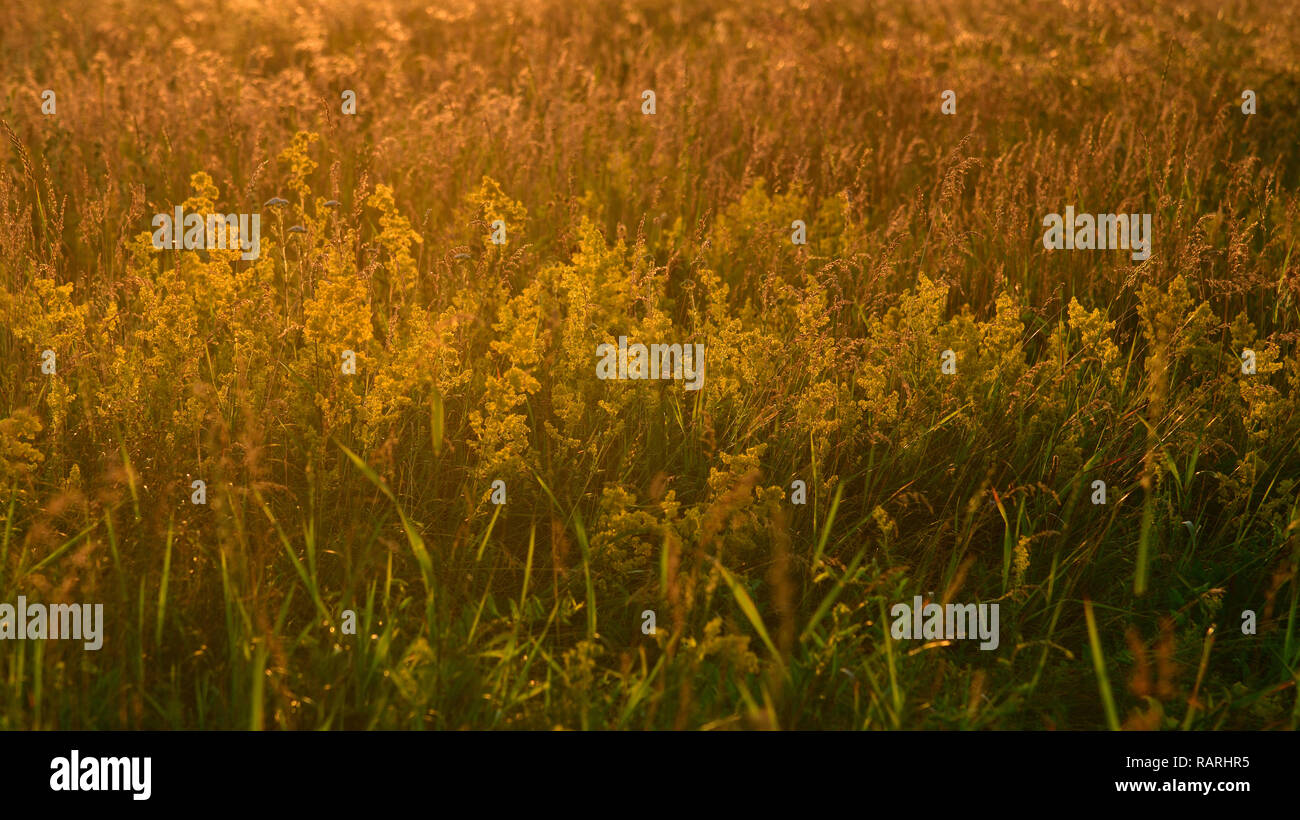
[(335, 499)]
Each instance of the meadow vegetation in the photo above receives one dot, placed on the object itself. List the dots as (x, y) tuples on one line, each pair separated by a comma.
[(477, 362)]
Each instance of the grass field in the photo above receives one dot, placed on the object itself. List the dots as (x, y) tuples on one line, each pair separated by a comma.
[(948, 389)]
